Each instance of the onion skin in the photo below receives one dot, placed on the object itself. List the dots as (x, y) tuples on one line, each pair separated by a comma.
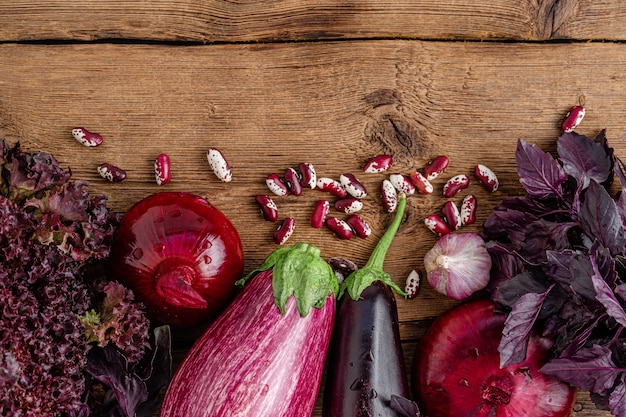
[(180, 255), (365, 328), (458, 265), (456, 370), (254, 361)]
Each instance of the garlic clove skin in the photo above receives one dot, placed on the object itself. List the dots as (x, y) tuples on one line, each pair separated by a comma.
[(458, 265)]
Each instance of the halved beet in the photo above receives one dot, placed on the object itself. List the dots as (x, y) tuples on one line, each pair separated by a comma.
[(180, 255), (456, 370)]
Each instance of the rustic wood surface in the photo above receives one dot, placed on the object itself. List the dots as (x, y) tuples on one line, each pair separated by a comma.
[(179, 77), (279, 20)]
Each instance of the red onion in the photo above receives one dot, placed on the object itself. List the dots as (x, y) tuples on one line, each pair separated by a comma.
[(458, 265), (180, 255)]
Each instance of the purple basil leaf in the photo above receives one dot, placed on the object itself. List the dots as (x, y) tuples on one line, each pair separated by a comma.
[(542, 235), (620, 171), (404, 407), (518, 328), (600, 219), (505, 264), (509, 292), (605, 263), (558, 266), (508, 224), (583, 158), (539, 173), (620, 201), (590, 369), (581, 338), (581, 272), (620, 290), (109, 366), (605, 295), (617, 399)]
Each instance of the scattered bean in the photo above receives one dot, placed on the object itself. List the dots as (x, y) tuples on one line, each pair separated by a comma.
[(86, 137), (487, 177), (468, 210), (412, 285), (284, 231), (389, 196), (451, 215), (340, 228), (220, 166), (292, 178), (402, 183), (111, 172), (435, 224), (422, 184), (436, 167), (573, 119), (349, 205), (358, 224), (455, 184), (331, 186), (268, 207), (309, 176), (162, 169), (276, 185), (345, 266), (320, 212), (380, 163), (352, 185)]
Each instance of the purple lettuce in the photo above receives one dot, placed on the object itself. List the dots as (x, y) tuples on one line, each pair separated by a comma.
[(59, 315), (559, 264)]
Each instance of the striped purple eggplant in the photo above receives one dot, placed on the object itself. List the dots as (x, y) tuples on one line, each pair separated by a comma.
[(264, 355)]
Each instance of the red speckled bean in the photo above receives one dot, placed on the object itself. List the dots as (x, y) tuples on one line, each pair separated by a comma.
[(292, 178), (379, 163), (360, 227), (435, 224), (573, 118), (284, 231), (455, 184), (422, 184), (352, 185), (320, 212), (332, 186), (162, 173), (436, 167), (468, 210), (111, 172), (268, 207), (86, 137), (389, 196), (412, 285), (340, 228)]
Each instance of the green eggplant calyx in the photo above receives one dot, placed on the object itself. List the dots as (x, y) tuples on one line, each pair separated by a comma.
[(298, 270)]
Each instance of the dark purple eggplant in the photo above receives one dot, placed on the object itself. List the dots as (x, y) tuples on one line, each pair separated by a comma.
[(366, 364)]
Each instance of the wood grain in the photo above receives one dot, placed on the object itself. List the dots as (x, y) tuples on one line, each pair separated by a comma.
[(334, 104), (288, 20)]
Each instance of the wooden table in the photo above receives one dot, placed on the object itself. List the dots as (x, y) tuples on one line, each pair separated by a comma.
[(276, 83)]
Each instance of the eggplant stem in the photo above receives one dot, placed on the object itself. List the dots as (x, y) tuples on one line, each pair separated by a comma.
[(377, 258), (362, 278)]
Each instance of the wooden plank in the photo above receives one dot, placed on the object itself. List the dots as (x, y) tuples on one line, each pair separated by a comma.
[(244, 21), (272, 106)]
